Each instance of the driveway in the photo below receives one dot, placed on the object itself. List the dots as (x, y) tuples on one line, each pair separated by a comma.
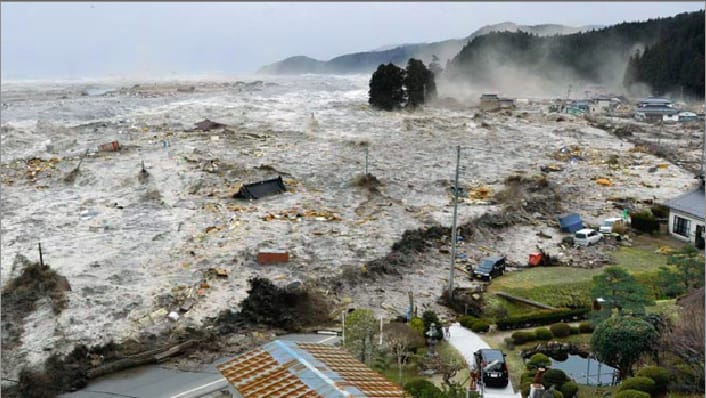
[(467, 342)]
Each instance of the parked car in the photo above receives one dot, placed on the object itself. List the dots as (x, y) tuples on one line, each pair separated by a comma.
[(492, 367), (587, 237), (607, 225), (488, 268)]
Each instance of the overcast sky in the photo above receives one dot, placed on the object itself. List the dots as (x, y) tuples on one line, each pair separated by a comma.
[(73, 40)]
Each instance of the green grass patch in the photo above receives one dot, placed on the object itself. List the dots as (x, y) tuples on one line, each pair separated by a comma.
[(511, 308)]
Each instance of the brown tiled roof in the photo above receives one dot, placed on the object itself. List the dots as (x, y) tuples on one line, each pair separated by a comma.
[(287, 369)]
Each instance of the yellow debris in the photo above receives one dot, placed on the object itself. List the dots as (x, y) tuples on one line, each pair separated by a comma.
[(664, 250), (606, 182)]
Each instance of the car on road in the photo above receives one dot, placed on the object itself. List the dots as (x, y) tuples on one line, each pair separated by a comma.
[(488, 268), (587, 237), (491, 367)]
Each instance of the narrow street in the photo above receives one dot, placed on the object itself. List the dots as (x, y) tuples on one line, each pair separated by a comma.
[(467, 342)]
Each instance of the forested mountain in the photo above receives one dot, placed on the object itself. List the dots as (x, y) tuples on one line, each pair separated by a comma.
[(671, 54), (367, 61)]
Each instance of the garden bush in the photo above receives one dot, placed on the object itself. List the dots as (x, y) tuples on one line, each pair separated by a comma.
[(543, 334), (586, 327), (467, 321), (558, 394), (639, 383), (555, 377), (631, 394), (523, 337), (422, 388), (537, 361), (575, 330), (660, 376), (569, 389), (560, 329), (527, 377), (480, 326)]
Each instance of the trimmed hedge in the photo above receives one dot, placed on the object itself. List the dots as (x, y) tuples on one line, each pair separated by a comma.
[(660, 376), (560, 329), (523, 337), (480, 326), (575, 330), (542, 318), (632, 394), (639, 383), (537, 361), (586, 327), (555, 377), (543, 334), (569, 389)]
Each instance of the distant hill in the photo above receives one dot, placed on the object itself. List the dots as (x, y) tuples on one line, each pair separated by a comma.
[(367, 61), (674, 57)]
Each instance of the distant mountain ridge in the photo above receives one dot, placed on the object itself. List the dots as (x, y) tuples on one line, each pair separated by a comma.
[(367, 61)]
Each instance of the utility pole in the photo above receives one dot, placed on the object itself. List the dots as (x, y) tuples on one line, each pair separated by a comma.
[(453, 228), (41, 260), (380, 329), (366, 162), (343, 327)]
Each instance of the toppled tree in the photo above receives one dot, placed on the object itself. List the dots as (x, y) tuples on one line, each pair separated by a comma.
[(285, 308), (386, 87), (22, 293)]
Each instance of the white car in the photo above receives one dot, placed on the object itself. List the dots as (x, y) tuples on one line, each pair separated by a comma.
[(608, 223), (587, 237)]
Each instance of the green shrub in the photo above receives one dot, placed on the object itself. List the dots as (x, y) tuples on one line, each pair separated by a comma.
[(417, 324), (467, 321), (660, 376), (558, 394), (421, 388), (631, 394), (542, 318), (560, 329), (569, 389), (543, 334), (480, 326), (586, 327), (537, 361), (575, 330), (660, 211), (523, 337), (639, 383), (555, 377)]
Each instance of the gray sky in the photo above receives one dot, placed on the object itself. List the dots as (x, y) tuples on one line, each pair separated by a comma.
[(73, 40)]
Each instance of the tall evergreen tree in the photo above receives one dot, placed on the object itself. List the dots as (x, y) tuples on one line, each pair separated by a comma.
[(415, 81), (386, 87)]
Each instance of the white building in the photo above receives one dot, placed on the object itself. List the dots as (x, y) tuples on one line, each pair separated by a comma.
[(686, 217)]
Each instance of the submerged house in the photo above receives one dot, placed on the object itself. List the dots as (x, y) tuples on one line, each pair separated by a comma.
[(655, 110), (493, 102), (292, 370), (686, 216), (261, 189)]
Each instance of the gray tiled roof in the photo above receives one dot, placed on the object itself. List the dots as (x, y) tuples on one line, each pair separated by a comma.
[(691, 203)]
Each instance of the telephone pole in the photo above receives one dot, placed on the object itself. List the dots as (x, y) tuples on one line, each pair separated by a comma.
[(453, 228)]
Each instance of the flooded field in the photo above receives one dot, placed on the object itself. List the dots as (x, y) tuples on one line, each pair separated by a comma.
[(137, 248)]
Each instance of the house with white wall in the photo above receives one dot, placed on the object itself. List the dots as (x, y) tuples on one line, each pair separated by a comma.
[(686, 217)]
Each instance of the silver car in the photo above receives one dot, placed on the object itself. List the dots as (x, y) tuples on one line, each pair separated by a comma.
[(587, 237)]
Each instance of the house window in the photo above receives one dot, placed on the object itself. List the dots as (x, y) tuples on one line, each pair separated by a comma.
[(680, 226)]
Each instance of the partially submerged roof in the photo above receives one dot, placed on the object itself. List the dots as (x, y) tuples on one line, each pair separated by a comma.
[(290, 369), (208, 125), (262, 188), (690, 203)]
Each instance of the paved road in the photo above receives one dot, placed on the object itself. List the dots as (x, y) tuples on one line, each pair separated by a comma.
[(157, 382), (467, 342)]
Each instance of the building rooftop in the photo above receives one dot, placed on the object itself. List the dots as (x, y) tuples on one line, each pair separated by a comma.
[(292, 370), (690, 203)]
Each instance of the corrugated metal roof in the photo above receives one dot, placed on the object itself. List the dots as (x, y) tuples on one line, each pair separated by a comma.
[(691, 203), (287, 369)]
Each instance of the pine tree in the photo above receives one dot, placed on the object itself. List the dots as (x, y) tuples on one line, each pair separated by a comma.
[(386, 87)]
